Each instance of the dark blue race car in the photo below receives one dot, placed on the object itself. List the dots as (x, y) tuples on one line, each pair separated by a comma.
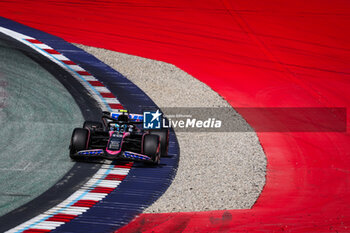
[(119, 136)]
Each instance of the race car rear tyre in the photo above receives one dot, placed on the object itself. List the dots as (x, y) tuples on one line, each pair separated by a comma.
[(79, 141), (164, 140), (93, 125), (151, 146)]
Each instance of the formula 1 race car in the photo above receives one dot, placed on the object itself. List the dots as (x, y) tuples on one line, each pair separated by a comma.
[(120, 136)]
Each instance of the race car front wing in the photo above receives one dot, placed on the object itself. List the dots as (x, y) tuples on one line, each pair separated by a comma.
[(100, 153)]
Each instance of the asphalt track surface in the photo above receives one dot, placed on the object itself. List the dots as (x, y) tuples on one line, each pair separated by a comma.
[(37, 119), (67, 181), (254, 54), (119, 207)]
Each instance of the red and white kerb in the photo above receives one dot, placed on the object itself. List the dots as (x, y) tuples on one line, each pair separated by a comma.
[(97, 188), (95, 88)]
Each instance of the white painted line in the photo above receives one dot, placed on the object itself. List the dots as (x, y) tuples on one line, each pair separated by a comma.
[(102, 89), (59, 57), (76, 67), (43, 46), (112, 101), (16, 169), (89, 78)]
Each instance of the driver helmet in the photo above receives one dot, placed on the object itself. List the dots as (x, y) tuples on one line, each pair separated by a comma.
[(123, 117)]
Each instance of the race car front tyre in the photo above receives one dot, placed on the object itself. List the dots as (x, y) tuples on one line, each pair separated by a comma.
[(151, 146), (93, 125), (164, 140), (79, 141)]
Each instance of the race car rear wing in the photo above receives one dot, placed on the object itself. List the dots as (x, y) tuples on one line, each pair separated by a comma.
[(132, 117)]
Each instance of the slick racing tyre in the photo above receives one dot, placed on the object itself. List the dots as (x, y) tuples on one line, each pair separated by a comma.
[(93, 126), (164, 140), (79, 141), (151, 148)]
